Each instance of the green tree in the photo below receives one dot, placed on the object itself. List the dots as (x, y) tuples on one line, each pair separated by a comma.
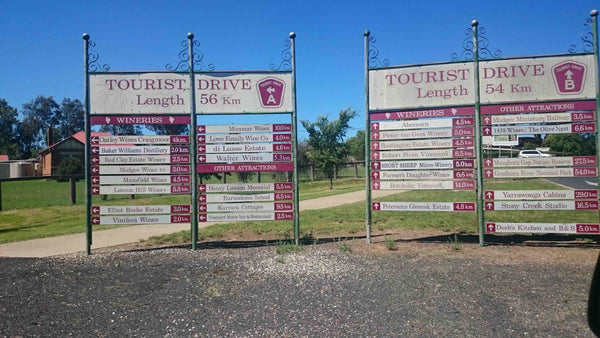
[(8, 130), (326, 140), (121, 129), (356, 146), (168, 129), (70, 118), (571, 144), (69, 167), (244, 177), (38, 115)]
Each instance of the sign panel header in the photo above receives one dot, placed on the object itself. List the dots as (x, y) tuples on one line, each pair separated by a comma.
[(533, 79), (168, 93)]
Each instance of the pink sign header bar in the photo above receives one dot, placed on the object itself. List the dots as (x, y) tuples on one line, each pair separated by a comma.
[(414, 114), (547, 107), (244, 167), (139, 119)]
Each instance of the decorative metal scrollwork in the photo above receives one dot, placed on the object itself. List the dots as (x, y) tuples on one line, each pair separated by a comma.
[(587, 37), (93, 56), (184, 58), (482, 44), (374, 61), (286, 58)]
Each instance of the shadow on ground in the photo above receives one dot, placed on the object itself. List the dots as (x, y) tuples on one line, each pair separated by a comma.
[(542, 240)]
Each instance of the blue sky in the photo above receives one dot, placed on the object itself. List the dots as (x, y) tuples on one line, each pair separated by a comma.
[(41, 49)]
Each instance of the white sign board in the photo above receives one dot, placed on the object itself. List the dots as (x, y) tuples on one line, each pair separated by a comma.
[(249, 216), (423, 185), (541, 161), (424, 206), (540, 194), (568, 228), (421, 86), (568, 77), (423, 133), (169, 93), (244, 187)]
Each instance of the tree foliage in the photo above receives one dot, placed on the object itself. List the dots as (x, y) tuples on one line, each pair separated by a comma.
[(168, 129), (571, 144), (70, 118), (9, 143), (121, 129), (356, 146), (69, 167), (38, 115), (326, 140)]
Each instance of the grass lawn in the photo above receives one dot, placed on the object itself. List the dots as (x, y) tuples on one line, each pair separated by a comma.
[(349, 219), (62, 218), (42, 208)]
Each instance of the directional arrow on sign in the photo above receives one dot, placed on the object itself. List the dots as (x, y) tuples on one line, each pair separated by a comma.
[(95, 160), (201, 158), (201, 198), (489, 195), (95, 170), (202, 129), (375, 136), (375, 155), (201, 138), (569, 75), (95, 140), (374, 145), (95, 210), (201, 149), (202, 218), (375, 186), (95, 180), (375, 165), (202, 207), (454, 111), (374, 126), (486, 120), (489, 173), (489, 206), (95, 190), (95, 150), (202, 188), (375, 175), (95, 220), (489, 162), (487, 131), (376, 206), (491, 227)]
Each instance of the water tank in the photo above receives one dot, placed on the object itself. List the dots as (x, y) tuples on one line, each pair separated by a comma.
[(21, 169)]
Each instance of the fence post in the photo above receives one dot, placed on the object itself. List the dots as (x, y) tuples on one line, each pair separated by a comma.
[(73, 191), (0, 195), (312, 172), (355, 170)]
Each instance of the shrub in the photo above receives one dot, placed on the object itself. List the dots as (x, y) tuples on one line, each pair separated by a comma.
[(69, 167)]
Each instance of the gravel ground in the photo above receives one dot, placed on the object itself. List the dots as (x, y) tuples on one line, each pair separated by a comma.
[(420, 289)]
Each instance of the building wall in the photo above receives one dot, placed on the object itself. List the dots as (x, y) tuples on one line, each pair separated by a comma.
[(68, 148)]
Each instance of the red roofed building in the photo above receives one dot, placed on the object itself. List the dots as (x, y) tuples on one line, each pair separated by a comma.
[(73, 146), (3, 158)]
